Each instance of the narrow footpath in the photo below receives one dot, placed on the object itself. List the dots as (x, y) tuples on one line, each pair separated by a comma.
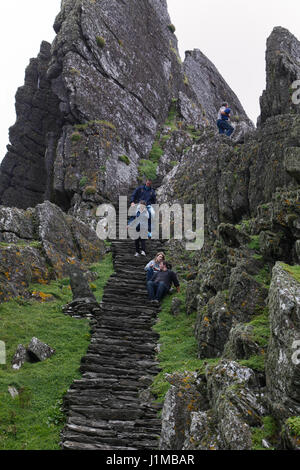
[(110, 407)]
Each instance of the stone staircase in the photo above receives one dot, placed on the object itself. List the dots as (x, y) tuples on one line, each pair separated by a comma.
[(110, 407)]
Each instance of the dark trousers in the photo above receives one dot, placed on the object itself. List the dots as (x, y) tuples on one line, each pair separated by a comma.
[(139, 241), (225, 127), (156, 290), (150, 273)]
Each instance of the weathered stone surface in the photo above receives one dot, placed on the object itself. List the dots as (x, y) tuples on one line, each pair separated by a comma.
[(212, 412), (21, 265), (16, 224), (232, 392), (79, 285), (283, 68), (176, 306), (184, 397), (240, 344), (282, 366), (21, 356), (24, 177), (39, 350), (213, 326), (211, 89)]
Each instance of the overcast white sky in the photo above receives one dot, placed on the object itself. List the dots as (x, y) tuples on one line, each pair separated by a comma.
[(231, 33)]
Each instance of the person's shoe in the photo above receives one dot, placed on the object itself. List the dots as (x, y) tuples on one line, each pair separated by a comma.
[(143, 253), (155, 301), (137, 254)]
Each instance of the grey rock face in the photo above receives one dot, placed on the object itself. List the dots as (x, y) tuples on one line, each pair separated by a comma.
[(211, 89), (39, 350), (212, 412), (283, 68), (21, 356), (24, 179), (282, 366), (36, 238), (115, 73)]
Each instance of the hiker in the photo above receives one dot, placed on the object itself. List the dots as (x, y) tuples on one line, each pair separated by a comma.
[(161, 282), (143, 216), (146, 193), (223, 118), (153, 265)]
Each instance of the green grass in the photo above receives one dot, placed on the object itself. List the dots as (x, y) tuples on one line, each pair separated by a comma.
[(254, 362), (254, 244), (147, 169), (293, 424), (33, 420), (178, 351), (261, 328), (124, 159), (264, 277), (293, 270), (268, 431), (100, 41)]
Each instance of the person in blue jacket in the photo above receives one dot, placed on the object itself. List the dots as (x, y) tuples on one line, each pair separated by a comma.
[(223, 118), (147, 194)]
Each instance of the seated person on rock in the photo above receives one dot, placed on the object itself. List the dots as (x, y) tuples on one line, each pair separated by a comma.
[(223, 118), (161, 282), (143, 216), (154, 265), (147, 194)]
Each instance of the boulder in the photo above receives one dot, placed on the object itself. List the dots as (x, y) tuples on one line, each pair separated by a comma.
[(282, 365), (21, 356), (39, 351), (283, 68)]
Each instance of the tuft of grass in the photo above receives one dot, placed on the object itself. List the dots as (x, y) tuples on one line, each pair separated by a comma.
[(254, 244), (268, 431), (264, 276), (147, 169), (100, 41), (293, 424), (292, 270), (83, 181), (172, 28), (124, 159), (34, 419), (261, 328), (156, 152), (178, 346), (254, 362), (75, 137)]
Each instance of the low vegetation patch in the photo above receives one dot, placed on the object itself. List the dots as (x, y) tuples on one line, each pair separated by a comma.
[(178, 346), (33, 419), (293, 270)]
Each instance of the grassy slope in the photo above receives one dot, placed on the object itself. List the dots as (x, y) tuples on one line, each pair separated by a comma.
[(34, 420)]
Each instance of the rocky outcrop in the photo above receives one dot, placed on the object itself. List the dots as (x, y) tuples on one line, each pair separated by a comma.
[(283, 365), (108, 84), (40, 244), (213, 411), (26, 171), (211, 89), (283, 69)]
